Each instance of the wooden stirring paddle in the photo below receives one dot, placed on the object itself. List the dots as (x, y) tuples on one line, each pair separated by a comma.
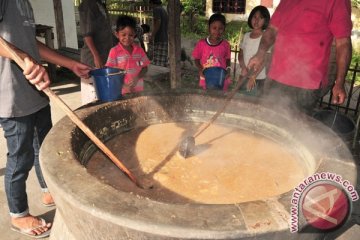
[(76, 120)]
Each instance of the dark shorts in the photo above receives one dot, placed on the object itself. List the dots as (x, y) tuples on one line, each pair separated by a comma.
[(158, 54), (302, 99)]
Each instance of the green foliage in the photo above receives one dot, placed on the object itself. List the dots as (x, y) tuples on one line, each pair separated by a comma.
[(355, 3), (198, 28), (355, 58), (235, 31), (77, 2), (193, 6), (195, 28), (122, 5), (191, 12)]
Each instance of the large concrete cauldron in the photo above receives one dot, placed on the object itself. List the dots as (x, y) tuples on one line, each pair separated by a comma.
[(87, 208)]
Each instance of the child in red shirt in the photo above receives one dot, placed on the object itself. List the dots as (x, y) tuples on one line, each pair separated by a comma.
[(128, 56)]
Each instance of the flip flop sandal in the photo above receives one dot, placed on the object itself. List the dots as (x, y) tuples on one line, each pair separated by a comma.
[(49, 204), (29, 231)]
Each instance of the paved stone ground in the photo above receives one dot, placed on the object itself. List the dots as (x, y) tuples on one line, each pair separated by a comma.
[(68, 89)]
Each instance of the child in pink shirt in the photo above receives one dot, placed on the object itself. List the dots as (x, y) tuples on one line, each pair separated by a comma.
[(213, 51), (128, 56)]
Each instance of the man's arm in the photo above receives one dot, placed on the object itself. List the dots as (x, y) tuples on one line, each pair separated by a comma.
[(5, 53), (241, 59), (50, 55), (90, 43), (266, 42), (343, 59), (33, 71)]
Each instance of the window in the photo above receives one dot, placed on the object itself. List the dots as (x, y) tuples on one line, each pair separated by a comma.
[(229, 6)]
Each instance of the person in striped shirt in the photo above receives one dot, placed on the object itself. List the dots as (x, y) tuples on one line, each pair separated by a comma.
[(128, 56)]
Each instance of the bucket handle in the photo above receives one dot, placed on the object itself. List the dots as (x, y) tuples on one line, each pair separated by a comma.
[(117, 73)]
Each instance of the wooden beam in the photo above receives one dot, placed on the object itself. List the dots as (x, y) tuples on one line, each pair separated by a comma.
[(59, 20), (174, 36)]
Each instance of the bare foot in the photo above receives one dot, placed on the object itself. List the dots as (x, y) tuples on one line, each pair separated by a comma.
[(30, 225), (47, 199)]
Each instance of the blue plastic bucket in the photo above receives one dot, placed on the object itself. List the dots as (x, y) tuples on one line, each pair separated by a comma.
[(108, 87), (214, 77)]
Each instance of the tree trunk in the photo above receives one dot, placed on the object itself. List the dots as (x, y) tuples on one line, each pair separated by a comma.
[(174, 34)]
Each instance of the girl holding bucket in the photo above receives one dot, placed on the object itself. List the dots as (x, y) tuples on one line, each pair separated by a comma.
[(258, 21), (212, 53), (128, 55)]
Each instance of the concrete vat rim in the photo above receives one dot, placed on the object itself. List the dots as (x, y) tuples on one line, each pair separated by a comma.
[(135, 212)]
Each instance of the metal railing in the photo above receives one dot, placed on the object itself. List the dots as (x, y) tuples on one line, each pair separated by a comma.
[(143, 13), (234, 60)]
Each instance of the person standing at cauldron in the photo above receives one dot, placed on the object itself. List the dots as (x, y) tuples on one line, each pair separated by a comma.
[(159, 35), (128, 55), (25, 111), (302, 33), (258, 21), (98, 38), (213, 51)]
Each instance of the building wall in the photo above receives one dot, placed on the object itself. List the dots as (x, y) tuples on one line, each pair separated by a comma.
[(69, 23), (44, 14), (250, 4)]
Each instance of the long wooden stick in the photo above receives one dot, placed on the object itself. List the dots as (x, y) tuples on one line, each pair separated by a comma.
[(205, 125), (73, 116)]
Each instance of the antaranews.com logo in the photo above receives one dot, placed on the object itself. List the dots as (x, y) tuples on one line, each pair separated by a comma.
[(322, 202)]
